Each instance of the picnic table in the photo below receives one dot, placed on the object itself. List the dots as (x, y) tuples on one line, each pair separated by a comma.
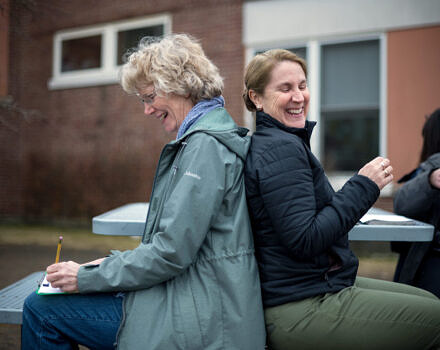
[(129, 220)]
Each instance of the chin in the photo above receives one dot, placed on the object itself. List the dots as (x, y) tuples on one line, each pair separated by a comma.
[(297, 124), (171, 129)]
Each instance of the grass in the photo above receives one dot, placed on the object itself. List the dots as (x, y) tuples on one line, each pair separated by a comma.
[(375, 259), (381, 267), (78, 238)]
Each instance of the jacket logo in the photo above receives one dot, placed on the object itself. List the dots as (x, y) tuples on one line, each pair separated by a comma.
[(188, 173)]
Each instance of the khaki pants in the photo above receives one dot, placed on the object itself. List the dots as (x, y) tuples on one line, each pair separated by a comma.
[(373, 314)]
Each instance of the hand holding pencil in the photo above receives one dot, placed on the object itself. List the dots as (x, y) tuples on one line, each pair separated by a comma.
[(63, 275)]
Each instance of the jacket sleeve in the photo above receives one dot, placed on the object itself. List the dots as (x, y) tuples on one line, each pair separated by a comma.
[(286, 181), (195, 198), (416, 197)]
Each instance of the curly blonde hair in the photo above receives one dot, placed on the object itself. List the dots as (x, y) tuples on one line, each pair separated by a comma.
[(258, 71), (175, 64)]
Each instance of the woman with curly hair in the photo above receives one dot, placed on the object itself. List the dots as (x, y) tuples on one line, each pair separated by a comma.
[(193, 281)]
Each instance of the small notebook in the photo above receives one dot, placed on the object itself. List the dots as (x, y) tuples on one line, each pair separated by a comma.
[(45, 288), (380, 219)]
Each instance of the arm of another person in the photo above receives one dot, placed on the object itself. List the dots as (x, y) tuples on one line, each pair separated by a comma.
[(184, 224), (416, 196), (287, 186)]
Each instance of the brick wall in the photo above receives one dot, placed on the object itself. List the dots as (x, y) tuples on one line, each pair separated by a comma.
[(4, 45), (86, 150)]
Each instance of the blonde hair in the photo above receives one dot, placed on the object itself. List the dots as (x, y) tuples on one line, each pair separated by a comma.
[(175, 64), (259, 69)]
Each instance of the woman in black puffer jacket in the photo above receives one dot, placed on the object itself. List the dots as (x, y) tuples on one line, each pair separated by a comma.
[(419, 198), (312, 297)]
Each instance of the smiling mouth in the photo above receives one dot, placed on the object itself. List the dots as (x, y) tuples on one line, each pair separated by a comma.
[(163, 116), (295, 111)]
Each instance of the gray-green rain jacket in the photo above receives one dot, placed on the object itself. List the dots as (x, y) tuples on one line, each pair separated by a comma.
[(193, 280)]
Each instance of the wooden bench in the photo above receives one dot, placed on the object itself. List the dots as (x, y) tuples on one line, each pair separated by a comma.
[(12, 298)]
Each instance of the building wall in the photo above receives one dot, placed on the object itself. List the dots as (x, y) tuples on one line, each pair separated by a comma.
[(4, 36), (87, 150), (10, 179), (413, 92)]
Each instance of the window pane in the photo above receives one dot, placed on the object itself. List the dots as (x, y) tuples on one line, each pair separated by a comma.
[(351, 139), (300, 51), (350, 75), (82, 53), (130, 38), (349, 104)]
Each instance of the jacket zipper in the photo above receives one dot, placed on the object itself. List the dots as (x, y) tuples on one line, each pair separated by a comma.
[(164, 197), (167, 188), (154, 186)]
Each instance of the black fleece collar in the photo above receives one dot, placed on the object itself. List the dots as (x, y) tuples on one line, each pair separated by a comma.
[(265, 120)]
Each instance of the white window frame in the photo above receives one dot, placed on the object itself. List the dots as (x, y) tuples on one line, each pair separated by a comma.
[(107, 73), (313, 52)]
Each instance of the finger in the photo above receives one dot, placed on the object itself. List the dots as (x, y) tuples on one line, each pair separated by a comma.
[(385, 162), (52, 268), (389, 179), (376, 160), (59, 282), (53, 277), (387, 172), (67, 285)]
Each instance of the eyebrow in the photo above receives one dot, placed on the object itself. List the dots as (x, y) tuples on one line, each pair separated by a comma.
[(286, 83)]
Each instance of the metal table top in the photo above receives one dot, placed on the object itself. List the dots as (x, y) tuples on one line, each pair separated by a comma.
[(129, 220)]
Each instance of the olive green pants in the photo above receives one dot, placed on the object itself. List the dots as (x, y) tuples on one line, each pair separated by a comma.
[(373, 314)]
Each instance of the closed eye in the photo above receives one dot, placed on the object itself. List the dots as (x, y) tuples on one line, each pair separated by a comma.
[(285, 88)]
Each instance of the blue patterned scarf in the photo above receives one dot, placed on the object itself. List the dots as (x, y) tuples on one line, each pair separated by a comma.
[(198, 111)]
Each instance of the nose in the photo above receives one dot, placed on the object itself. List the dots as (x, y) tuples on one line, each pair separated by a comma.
[(297, 96), (148, 109)]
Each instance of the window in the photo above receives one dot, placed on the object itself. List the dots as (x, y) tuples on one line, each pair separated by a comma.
[(79, 54), (349, 105), (300, 52), (130, 38), (91, 56)]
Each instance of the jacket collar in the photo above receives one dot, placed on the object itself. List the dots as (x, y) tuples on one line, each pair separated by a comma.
[(432, 162), (265, 120)]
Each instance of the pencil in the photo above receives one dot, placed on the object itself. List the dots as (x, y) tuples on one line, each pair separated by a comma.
[(57, 259)]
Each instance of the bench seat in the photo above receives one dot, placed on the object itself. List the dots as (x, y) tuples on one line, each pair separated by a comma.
[(12, 298)]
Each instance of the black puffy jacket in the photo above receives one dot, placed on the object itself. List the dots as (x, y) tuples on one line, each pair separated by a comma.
[(418, 200), (300, 224)]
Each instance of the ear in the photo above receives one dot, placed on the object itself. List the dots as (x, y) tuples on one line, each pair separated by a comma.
[(256, 99)]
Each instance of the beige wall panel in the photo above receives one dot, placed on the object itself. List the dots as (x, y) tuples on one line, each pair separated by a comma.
[(413, 92)]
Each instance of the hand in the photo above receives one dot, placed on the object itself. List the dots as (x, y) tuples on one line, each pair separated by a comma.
[(64, 276), (378, 170), (434, 178)]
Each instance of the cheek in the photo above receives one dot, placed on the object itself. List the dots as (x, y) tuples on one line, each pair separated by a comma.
[(306, 95), (306, 100), (275, 102)]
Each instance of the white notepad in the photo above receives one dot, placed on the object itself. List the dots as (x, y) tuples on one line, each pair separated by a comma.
[(385, 218)]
